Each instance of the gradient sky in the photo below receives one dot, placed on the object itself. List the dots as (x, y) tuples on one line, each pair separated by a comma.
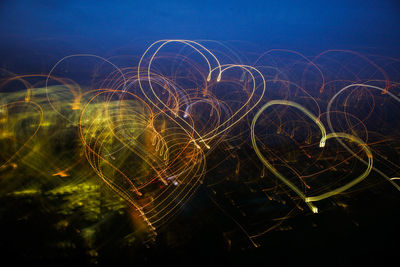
[(101, 25)]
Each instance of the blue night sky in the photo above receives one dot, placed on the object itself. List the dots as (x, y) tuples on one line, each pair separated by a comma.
[(103, 25)]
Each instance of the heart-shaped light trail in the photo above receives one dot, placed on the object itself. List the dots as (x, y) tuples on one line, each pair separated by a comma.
[(310, 199), (4, 133), (144, 157), (145, 74), (384, 91)]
